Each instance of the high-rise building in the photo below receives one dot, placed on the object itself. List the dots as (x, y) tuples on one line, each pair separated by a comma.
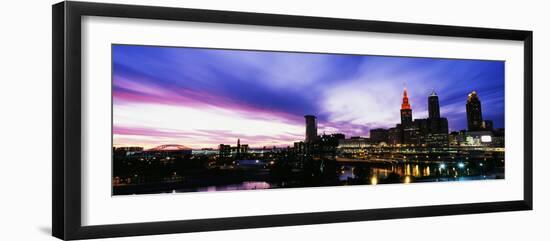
[(233, 151), (379, 135), (423, 126), (432, 131), (436, 124), (406, 111), (311, 128), (488, 125), (433, 105), (411, 136), (225, 150), (473, 112), (395, 135)]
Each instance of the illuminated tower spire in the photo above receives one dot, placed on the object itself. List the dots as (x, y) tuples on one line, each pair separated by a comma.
[(405, 105), (406, 111)]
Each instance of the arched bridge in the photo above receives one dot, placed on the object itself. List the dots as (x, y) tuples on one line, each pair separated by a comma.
[(168, 147)]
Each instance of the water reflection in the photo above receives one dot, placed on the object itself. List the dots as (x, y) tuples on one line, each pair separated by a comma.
[(375, 174), (232, 187), (405, 172)]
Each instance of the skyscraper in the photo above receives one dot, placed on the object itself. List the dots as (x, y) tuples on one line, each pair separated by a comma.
[(433, 105), (406, 111), (473, 112), (311, 128), (437, 124)]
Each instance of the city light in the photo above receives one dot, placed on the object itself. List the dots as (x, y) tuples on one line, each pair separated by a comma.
[(275, 153), (486, 139), (374, 180)]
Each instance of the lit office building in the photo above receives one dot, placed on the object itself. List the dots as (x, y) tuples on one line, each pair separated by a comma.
[(473, 112)]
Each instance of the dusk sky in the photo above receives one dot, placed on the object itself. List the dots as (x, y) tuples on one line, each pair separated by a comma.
[(201, 98)]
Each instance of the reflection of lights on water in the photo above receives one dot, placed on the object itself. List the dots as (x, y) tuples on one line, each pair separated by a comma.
[(407, 179), (373, 180)]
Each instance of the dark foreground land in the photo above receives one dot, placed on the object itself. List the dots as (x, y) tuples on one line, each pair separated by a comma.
[(192, 173)]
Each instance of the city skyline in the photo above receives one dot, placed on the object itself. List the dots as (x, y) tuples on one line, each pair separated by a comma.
[(205, 97)]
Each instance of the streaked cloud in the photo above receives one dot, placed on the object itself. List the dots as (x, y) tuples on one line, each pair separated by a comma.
[(205, 97)]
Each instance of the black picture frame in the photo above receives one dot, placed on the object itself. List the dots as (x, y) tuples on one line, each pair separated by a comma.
[(66, 47)]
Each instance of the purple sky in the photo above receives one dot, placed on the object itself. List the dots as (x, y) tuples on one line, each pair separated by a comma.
[(204, 97)]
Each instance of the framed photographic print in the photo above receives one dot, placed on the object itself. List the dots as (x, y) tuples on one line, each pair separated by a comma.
[(170, 120)]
